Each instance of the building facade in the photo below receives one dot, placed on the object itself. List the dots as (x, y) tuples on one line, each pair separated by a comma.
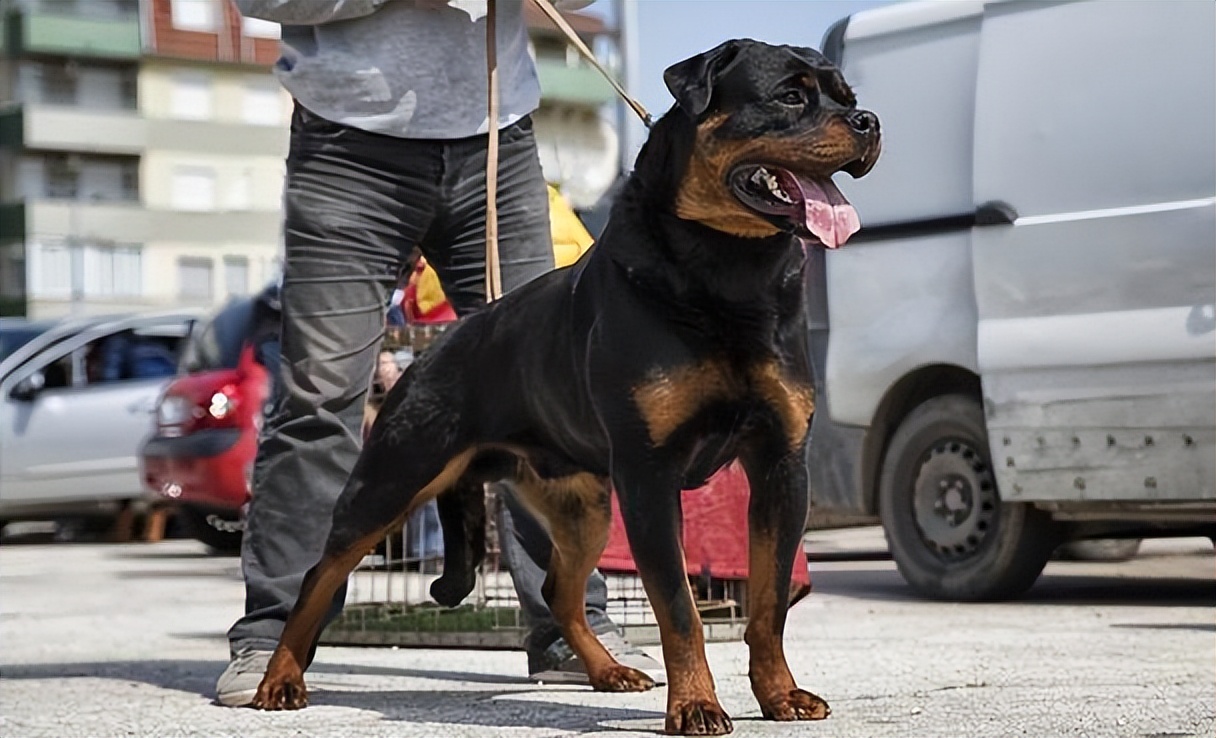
[(142, 146)]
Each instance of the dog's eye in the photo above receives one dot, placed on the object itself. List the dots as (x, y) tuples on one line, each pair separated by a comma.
[(793, 97)]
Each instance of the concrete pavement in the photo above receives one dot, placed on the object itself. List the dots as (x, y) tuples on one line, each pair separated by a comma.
[(100, 640)]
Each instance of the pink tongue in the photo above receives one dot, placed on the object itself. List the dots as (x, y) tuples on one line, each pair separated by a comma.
[(828, 214)]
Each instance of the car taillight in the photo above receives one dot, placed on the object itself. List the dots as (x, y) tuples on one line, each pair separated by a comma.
[(218, 408), (179, 414)]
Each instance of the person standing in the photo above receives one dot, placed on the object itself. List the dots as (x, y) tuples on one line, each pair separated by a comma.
[(387, 153)]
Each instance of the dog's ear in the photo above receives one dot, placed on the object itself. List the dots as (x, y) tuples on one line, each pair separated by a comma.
[(829, 77), (691, 82)]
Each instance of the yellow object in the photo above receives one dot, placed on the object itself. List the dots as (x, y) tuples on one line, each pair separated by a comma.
[(570, 236), (429, 293), (570, 241)]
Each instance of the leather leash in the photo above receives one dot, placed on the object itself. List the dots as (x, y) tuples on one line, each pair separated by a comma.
[(493, 266)]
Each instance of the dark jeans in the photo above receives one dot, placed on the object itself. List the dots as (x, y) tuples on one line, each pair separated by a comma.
[(356, 203)]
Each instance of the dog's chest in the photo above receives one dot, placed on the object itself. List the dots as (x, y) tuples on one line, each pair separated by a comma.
[(671, 399)]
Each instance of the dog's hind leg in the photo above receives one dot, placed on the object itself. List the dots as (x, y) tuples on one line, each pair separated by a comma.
[(394, 476), (578, 513), (650, 505), (776, 521)]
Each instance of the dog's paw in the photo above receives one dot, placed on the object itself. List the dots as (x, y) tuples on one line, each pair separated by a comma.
[(283, 686), (450, 589), (797, 704), (698, 717), (621, 679), (280, 695)]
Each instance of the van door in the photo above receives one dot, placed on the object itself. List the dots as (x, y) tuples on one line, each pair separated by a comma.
[(1094, 120)]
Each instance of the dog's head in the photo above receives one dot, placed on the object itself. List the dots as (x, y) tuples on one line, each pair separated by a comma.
[(773, 123)]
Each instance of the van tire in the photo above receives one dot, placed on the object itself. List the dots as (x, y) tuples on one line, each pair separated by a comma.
[(949, 533)]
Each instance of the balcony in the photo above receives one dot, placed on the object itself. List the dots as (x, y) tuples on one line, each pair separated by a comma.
[(210, 137), (45, 29), (106, 222), (215, 227), (578, 85), (83, 130)]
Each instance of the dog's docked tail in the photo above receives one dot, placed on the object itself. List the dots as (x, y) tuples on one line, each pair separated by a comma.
[(462, 514)]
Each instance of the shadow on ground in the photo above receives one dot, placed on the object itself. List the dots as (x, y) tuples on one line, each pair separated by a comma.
[(491, 707), (1057, 586)]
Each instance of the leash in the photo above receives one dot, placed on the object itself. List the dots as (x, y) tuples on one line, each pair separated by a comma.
[(547, 8), (493, 266)]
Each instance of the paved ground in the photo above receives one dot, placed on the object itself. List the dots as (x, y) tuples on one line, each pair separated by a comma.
[(102, 640)]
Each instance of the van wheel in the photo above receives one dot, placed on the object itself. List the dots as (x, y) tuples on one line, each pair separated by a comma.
[(950, 535), (1100, 549)]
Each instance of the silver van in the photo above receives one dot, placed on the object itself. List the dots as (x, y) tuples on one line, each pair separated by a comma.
[(1019, 348)]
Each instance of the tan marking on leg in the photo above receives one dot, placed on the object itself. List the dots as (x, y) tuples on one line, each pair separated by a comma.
[(671, 398), (692, 704), (283, 686), (772, 683), (793, 402)]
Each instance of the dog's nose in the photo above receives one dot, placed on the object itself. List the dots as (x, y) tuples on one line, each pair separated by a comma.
[(863, 121)]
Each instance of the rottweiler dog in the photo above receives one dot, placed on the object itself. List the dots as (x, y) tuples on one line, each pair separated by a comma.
[(677, 344)]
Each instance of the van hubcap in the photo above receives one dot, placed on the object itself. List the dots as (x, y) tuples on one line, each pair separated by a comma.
[(954, 500)]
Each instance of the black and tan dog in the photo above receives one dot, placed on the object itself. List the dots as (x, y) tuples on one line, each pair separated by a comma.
[(677, 344)]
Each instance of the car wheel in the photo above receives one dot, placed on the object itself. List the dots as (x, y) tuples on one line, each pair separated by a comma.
[(1099, 549), (197, 526), (950, 535)]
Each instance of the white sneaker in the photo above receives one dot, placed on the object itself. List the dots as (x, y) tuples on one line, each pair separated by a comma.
[(238, 684), (559, 665)]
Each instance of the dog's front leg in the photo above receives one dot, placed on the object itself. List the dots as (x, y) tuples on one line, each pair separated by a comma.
[(650, 506), (777, 516)]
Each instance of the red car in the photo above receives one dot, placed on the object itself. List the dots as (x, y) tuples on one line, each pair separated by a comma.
[(201, 453)]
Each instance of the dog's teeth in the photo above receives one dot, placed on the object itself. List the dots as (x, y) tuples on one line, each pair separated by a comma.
[(762, 178)]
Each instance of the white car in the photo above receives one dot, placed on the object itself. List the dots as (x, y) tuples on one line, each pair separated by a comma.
[(76, 400)]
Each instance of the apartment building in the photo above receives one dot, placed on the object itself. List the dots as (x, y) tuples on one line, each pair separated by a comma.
[(212, 173), (142, 146), (71, 223)]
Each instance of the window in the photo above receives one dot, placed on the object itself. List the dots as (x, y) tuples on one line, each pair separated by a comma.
[(51, 269), (80, 177), (194, 278), (195, 15), (239, 193), (236, 275), (262, 104), (113, 271), (193, 188), (99, 270), (62, 177), (89, 85), (258, 28), (190, 96), (12, 273), (58, 84), (105, 88)]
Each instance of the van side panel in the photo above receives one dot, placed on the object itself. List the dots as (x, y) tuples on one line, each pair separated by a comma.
[(895, 307), (1097, 307), (902, 304)]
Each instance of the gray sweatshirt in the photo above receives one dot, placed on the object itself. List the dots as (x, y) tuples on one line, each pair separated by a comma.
[(407, 68)]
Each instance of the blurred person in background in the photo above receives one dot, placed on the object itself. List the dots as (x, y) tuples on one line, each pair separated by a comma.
[(388, 371), (387, 153)]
